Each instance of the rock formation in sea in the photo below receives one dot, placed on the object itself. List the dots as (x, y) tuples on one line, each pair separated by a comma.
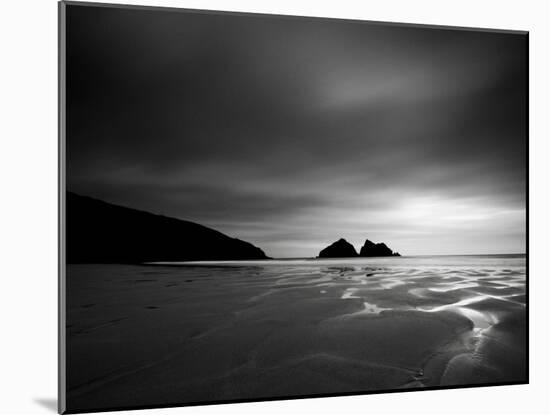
[(100, 232), (380, 249), (339, 249)]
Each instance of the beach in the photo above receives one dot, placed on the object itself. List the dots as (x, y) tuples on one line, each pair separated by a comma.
[(181, 333)]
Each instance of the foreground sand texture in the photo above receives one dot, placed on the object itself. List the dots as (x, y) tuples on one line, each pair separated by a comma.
[(159, 334)]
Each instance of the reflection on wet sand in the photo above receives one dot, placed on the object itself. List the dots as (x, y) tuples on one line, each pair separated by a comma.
[(225, 331)]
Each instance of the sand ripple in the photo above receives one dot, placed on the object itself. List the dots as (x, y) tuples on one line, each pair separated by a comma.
[(203, 332)]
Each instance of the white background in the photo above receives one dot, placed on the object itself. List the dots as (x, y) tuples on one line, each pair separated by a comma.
[(28, 204)]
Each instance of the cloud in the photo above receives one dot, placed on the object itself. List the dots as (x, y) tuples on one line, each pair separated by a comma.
[(291, 133)]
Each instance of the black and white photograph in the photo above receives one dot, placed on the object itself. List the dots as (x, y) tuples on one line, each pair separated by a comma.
[(260, 207)]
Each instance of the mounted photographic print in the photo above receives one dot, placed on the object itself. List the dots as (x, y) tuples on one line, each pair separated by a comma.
[(258, 207)]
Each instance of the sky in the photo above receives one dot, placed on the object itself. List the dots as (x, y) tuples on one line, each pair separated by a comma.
[(291, 133)]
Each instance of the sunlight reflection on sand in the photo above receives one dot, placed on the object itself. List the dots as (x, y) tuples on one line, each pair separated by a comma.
[(242, 330)]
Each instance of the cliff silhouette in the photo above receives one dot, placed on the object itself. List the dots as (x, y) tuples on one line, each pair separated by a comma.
[(343, 249), (339, 249), (380, 249), (100, 232)]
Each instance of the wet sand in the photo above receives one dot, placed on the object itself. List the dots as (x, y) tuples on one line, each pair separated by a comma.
[(158, 334)]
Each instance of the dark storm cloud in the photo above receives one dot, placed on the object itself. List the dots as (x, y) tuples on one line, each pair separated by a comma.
[(290, 132)]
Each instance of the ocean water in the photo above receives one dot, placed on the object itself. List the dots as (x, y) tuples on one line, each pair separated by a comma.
[(174, 333)]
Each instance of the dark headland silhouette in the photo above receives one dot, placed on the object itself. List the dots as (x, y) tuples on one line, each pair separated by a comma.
[(100, 232), (343, 249)]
